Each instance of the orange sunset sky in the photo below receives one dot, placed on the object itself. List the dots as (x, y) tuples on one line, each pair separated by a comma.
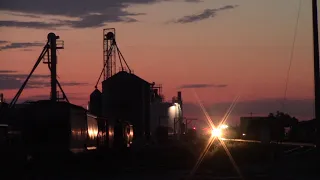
[(228, 47)]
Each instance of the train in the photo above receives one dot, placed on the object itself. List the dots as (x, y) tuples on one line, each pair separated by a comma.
[(45, 126)]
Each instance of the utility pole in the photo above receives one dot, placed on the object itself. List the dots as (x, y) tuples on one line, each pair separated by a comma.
[(316, 68)]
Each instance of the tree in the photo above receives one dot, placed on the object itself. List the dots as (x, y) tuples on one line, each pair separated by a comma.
[(285, 119), (280, 121)]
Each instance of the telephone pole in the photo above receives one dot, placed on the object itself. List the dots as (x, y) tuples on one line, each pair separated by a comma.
[(316, 68)]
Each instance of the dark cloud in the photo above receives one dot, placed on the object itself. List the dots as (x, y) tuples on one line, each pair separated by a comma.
[(71, 8), (23, 15), (34, 98), (87, 21), (303, 109), (70, 96), (207, 13), (20, 45), (72, 83), (99, 20), (185, 86), (193, 1), (14, 81), (89, 13), (7, 71), (27, 50), (31, 24), (11, 80), (3, 42)]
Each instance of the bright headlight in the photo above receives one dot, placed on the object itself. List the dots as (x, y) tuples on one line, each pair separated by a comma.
[(216, 132)]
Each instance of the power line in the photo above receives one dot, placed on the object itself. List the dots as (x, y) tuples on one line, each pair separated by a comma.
[(291, 56)]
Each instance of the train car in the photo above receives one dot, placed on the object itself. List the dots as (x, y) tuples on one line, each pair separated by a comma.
[(63, 127), (92, 125), (123, 134), (79, 136), (54, 127), (100, 132)]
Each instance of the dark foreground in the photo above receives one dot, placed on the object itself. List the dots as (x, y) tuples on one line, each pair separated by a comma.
[(254, 161)]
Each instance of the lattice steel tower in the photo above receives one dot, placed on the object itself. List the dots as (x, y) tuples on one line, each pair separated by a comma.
[(109, 52)]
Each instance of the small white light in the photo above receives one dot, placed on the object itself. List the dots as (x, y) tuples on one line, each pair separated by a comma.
[(223, 126)]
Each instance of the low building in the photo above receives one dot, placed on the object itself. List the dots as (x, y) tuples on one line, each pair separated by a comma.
[(260, 128), (166, 117), (159, 116), (303, 131)]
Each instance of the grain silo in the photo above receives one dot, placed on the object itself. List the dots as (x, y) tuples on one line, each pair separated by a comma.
[(126, 97)]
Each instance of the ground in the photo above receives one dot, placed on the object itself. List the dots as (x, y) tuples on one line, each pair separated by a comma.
[(177, 161)]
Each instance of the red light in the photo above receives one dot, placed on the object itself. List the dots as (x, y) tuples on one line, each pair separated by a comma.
[(194, 128)]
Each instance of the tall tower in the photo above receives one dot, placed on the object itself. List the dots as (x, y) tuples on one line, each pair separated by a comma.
[(109, 52), (53, 45)]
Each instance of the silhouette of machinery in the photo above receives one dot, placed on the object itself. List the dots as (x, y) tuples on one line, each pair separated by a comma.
[(49, 57), (110, 53), (39, 121), (120, 131)]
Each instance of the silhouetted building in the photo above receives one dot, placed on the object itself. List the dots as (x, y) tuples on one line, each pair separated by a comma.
[(126, 97), (13, 116), (261, 128), (3, 111), (303, 131), (159, 116)]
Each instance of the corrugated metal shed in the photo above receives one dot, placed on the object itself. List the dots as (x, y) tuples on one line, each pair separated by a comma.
[(126, 97)]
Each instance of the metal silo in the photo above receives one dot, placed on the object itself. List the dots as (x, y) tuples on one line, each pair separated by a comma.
[(126, 97), (95, 102)]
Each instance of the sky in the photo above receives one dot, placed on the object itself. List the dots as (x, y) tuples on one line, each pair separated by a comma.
[(216, 49)]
